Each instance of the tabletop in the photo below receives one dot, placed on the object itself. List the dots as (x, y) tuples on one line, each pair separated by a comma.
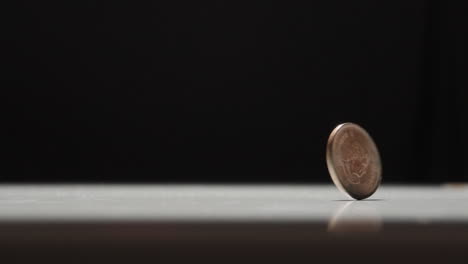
[(181, 222)]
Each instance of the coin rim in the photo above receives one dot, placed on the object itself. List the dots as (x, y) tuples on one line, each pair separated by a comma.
[(331, 168)]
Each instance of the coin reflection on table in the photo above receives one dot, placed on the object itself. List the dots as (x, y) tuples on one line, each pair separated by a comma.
[(355, 217)]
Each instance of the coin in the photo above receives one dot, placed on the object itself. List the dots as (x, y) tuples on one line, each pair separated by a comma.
[(353, 161)]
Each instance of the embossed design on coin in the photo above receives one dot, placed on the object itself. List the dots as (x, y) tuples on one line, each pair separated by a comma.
[(353, 161)]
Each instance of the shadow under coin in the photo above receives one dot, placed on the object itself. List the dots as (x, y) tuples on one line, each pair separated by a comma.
[(351, 200), (355, 217)]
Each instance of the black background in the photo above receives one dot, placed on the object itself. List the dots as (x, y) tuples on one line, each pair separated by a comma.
[(228, 91)]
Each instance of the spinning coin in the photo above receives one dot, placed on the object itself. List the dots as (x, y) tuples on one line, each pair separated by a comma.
[(353, 161)]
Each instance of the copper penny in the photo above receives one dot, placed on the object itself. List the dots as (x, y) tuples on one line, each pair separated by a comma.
[(353, 161)]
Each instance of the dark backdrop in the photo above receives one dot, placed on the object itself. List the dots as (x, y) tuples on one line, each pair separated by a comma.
[(229, 91)]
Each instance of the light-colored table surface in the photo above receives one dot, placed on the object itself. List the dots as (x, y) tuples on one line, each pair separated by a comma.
[(272, 203), (112, 223)]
